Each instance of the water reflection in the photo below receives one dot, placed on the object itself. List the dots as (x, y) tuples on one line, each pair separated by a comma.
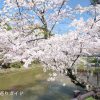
[(47, 91)]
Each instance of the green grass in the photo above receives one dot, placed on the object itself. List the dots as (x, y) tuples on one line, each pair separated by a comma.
[(21, 78), (90, 98)]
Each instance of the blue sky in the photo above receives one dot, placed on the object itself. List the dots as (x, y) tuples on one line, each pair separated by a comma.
[(73, 3), (1, 3), (62, 27)]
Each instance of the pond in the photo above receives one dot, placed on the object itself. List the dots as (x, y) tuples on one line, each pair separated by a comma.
[(32, 84)]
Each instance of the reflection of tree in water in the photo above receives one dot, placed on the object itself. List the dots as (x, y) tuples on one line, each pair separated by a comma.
[(54, 91)]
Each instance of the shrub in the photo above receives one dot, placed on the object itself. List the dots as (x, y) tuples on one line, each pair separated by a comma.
[(16, 65), (36, 62)]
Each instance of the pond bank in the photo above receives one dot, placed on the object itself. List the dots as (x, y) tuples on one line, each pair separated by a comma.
[(33, 82)]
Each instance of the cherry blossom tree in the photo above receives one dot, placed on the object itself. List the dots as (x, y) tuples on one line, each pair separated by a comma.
[(37, 14)]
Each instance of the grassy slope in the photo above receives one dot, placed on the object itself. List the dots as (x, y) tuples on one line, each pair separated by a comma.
[(21, 78)]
